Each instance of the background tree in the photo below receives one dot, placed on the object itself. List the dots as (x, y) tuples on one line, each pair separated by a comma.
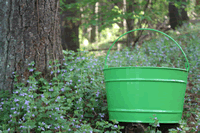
[(177, 13), (69, 26), (29, 32)]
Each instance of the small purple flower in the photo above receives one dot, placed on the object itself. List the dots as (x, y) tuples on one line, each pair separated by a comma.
[(115, 126), (62, 89), (57, 108), (49, 115), (50, 89), (42, 95), (16, 100), (33, 115), (179, 129), (50, 83), (51, 72), (26, 102), (97, 95), (12, 108), (49, 66), (56, 118), (31, 70), (58, 71), (42, 128)]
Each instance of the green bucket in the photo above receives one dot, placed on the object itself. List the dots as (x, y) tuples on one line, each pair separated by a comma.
[(136, 94)]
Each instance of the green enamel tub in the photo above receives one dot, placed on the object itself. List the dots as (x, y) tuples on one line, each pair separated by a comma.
[(135, 94)]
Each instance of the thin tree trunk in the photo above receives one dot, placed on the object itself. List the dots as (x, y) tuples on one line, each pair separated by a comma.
[(29, 32), (93, 27), (124, 21), (130, 22)]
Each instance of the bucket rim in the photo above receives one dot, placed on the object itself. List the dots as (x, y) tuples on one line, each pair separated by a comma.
[(141, 67)]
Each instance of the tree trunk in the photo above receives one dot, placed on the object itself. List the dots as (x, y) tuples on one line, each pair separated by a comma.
[(174, 18), (93, 26), (130, 22), (29, 32), (177, 17), (69, 29)]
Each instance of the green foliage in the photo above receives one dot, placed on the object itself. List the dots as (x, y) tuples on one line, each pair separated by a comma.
[(75, 99)]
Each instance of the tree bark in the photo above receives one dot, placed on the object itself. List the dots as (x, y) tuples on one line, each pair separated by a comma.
[(69, 29), (29, 32), (93, 27), (130, 22), (174, 18)]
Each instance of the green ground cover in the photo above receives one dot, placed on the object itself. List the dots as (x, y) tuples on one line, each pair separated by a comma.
[(75, 99)]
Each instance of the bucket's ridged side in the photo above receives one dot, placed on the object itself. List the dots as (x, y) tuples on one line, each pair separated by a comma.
[(134, 95)]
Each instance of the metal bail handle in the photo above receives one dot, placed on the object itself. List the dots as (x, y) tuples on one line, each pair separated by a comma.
[(187, 65)]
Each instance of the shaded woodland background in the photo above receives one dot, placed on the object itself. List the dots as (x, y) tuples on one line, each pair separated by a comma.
[(96, 23)]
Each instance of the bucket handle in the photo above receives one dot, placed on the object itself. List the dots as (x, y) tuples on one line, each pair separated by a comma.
[(187, 65)]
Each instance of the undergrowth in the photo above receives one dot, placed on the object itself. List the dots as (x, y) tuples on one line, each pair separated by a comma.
[(75, 99)]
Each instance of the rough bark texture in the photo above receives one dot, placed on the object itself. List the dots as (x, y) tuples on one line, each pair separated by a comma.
[(29, 31), (69, 29)]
